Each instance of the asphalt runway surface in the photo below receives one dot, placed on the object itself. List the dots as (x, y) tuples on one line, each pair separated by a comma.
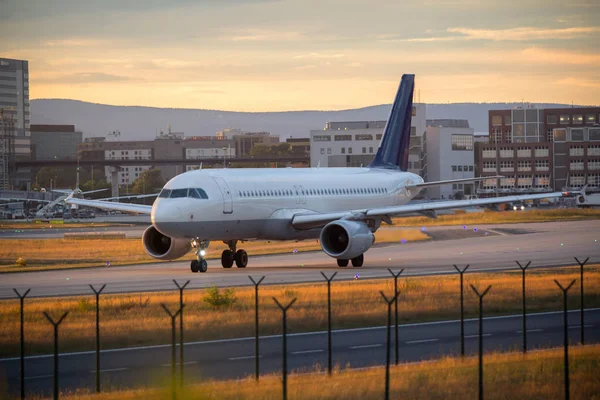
[(544, 244), (234, 358)]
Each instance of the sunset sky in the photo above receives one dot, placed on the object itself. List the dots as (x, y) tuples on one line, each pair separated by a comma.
[(271, 55)]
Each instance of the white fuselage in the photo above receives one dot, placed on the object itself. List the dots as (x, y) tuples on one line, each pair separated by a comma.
[(260, 203)]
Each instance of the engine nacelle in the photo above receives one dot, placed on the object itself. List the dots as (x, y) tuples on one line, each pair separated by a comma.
[(346, 239), (164, 247)]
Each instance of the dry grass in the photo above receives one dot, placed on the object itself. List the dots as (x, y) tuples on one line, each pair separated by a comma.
[(502, 217), (58, 224), (43, 254), (138, 319), (536, 376)]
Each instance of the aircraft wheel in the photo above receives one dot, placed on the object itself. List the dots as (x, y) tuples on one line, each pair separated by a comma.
[(358, 261), (241, 258), (342, 262), (202, 266), (227, 258), (194, 266)]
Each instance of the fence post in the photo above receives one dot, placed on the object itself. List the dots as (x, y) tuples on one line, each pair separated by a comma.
[(97, 293), (523, 269), (173, 345), (181, 329), (396, 310), (481, 296), (462, 309), (566, 333), (581, 264), (284, 371), (22, 301), (256, 341), (329, 361), (55, 324), (387, 345)]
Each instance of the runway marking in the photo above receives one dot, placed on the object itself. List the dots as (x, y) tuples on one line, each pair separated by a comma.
[(242, 358), (531, 330), (185, 363), (421, 341), (366, 346), (39, 377), (307, 351), (476, 336), (109, 370), (244, 339), (579, 326)]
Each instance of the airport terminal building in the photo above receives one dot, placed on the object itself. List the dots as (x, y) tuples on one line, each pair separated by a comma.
[(540, 150)]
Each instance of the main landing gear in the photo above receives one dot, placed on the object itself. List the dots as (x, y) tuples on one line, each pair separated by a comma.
[(200, 264), (356, 261), (228, 257)]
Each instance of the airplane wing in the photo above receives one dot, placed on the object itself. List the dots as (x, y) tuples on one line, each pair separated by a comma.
[(20, 199), (135, 196), (308, 221), (109, 205), (439, 183)]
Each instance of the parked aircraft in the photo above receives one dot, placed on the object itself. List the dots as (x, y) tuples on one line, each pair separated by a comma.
[(342, 207)]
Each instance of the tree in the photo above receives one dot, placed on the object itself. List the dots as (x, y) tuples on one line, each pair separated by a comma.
[(148, 182)]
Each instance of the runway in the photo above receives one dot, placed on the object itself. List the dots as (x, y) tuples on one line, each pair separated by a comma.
[(234, 358), (544, 244)]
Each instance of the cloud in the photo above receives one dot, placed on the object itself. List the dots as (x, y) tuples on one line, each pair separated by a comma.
[(513, 34), (74, 42), (261, 35), (560, 56), (85, 77), (318, 56)]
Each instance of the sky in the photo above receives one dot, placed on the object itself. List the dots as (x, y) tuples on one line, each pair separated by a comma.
[(279, 55)]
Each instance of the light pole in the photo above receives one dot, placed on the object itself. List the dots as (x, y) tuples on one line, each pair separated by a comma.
[(224, 155)]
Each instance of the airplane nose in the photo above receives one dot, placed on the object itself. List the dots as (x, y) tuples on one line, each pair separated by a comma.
[(163, 216)]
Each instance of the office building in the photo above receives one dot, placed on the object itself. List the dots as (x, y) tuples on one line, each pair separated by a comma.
[(448, 154), (245, 141), (541, 150), (54, 142), (354, 143), (203, 147)]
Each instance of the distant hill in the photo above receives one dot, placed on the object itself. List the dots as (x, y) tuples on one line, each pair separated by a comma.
[(137, 123)]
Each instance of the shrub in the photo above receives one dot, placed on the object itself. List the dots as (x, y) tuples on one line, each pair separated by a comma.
[(84, 304), (220, 298), (21, 262)]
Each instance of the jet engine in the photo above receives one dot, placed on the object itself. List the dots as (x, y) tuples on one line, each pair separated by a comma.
[(164, 247), (346, 239)]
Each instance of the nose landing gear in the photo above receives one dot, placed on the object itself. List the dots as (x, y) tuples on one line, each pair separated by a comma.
[(200, 264)]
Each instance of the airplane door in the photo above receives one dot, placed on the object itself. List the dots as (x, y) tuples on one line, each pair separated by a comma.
[(227, 198), (302, 194)]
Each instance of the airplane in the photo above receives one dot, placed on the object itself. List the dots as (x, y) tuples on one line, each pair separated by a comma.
[(342, 207)]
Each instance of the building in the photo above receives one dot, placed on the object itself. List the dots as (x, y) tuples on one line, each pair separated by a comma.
[(245, 141), (54, 142), (541, 150), (299, 146), (129, 150), (354, 143), (201, 147), (448, 154), (14, 105)]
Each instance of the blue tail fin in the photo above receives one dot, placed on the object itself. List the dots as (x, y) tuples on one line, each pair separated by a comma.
[(393, 149)]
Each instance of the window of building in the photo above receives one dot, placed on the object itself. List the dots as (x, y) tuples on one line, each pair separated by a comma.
[(471, 168), (349, 150), (590, 119), (594, 180), (488, 153), (542, 181), (506, 166), (489, 166), (541, 165), (593, 150), (507, 120), (564, 120), (531, 130), (560, 135), (531, 115), (370, 149), (379, 136), (343, 150), (506, 152), (524, 166), (551, 119), (454, 168), (524, 181), (322, 138), (364, 150), (523, 152), (489, 184), (329, 150), (541, 151), (462, 142), (576, 165), (496, 119), (460, 168), (518, 115), (339, 138), (322, 150), (577, 135), (594, 164), (507, 183), (594, 134), (576, 151), (576, 180), (577, 119), (363, 136)]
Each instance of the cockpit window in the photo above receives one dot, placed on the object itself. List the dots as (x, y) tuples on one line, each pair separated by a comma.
[(179, 193), (202, 193), (165, 193), (193, 193)]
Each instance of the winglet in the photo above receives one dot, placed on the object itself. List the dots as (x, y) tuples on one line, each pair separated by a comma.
[(394, 146)]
